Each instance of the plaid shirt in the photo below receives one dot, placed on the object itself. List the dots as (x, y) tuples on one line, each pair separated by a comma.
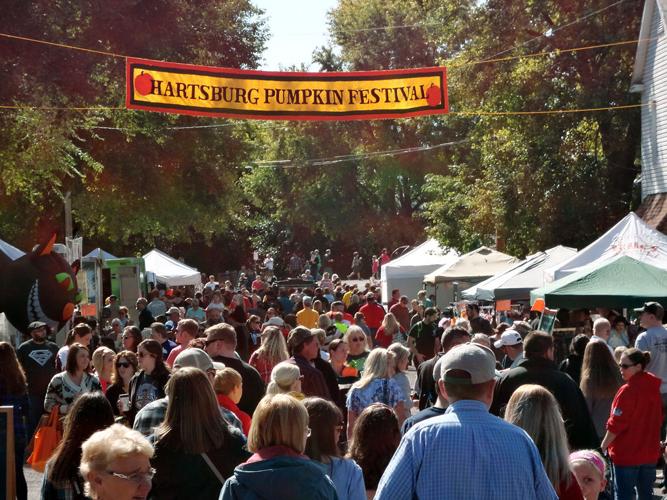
[(65, 490), (150, 416)]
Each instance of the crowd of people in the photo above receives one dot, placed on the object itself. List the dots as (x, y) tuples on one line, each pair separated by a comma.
[(255, 391)]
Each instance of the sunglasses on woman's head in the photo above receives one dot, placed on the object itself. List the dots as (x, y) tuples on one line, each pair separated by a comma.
[(123, 364)]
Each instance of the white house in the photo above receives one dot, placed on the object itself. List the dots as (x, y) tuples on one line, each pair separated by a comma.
[(649, 78)]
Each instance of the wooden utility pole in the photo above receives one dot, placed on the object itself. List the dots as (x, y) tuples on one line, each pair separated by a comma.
[(68, 214)]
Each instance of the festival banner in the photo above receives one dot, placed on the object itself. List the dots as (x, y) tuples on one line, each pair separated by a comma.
[(248, 94)]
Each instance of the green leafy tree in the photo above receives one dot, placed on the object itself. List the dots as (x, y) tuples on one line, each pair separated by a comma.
[(137, 178)]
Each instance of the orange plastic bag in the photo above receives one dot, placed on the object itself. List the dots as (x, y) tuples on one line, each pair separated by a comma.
[(46, 440)]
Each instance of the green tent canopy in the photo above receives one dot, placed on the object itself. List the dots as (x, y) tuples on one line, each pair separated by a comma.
[(617, 283)]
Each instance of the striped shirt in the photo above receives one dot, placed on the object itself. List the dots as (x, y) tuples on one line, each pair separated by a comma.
[(465, 453)]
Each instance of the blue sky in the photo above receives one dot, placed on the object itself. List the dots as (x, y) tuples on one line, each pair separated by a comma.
[(297, 28)]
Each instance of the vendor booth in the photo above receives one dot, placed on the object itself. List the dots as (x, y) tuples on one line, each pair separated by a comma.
[(169, 271), (10, 250), (620, 282), (631, 236), (516, 283), (102, 274), (468, 270), (407, 272)]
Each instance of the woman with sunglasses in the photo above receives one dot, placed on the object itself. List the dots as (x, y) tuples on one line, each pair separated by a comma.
[(124, 367), (633, 428), (375, 386), (147, 385), (326, 424), (285, 379), (356, 340)]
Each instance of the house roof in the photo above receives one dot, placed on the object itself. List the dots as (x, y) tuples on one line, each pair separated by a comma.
[(644, 35)]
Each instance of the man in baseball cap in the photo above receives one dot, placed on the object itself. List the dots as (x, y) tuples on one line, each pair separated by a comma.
[(653, 340), (457, 446), (511, 344), (152, 415), (197, 358), (304, 348)]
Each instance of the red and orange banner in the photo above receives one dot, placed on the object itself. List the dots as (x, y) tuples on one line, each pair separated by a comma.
[(248, 94)]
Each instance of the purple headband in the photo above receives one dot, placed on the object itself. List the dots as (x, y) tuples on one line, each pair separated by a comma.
[(589, 456)]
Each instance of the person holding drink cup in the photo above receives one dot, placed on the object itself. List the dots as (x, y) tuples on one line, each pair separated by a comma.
[(124, 367)]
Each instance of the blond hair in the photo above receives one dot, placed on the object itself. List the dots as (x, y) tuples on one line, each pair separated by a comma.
[(376, 366), (108, 445), (274, 347), (400, 352), (283, 376), (278, 420), (390, 324), (535, 410), (226, 380), (351, 331), (98, 358)]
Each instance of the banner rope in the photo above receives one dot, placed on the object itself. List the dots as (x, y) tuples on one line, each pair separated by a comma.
[(548, 111), (467, 113)]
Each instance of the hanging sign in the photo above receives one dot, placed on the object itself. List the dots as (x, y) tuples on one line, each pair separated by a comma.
[(233, 93)]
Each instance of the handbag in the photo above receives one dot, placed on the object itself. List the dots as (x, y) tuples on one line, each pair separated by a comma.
[(46, 440)]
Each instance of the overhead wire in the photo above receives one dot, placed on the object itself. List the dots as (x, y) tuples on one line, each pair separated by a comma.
[(452, 65), (552, 31)]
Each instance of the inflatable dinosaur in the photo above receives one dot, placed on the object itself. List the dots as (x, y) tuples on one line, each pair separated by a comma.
[(39, 286)]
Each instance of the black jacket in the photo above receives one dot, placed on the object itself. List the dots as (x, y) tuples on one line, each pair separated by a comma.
[(425, 387), (572, 366), (581, 432), (180, 475)]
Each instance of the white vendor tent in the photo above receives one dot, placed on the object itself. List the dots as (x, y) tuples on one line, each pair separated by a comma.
[(407, 272), (170, 271), (10, 251), (517, 282), (472, 267), (98, 253), (631, 236)]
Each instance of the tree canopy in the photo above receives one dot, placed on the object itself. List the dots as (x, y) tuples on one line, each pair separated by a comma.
[(211, 194)]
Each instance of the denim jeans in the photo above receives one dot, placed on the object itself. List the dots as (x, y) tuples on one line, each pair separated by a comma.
[(628, 478)]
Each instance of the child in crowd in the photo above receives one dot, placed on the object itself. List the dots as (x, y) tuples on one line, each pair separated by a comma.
[(589, 468), (228, 386), (340, 325)]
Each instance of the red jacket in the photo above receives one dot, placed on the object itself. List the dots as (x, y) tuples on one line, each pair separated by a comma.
[(228, 404), (635, 418)]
